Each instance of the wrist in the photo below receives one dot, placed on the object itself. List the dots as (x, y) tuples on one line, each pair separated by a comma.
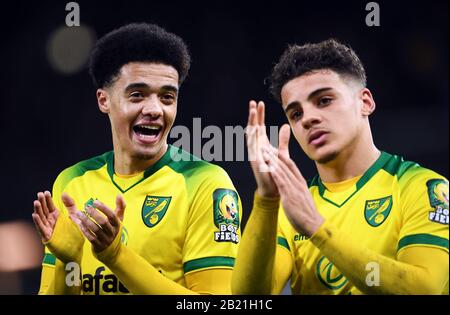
[(110, 253), (266, 204), (325, 232), (65, 242), (313, 226), (263, 193)]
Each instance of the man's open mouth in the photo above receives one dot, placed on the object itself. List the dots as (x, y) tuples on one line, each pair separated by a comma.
[(147, 132)]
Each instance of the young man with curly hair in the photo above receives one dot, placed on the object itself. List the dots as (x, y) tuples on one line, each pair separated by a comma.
[(368, 223), (180, 229)]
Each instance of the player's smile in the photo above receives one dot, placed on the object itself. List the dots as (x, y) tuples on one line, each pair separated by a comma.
[(142, 107), (147, 132)]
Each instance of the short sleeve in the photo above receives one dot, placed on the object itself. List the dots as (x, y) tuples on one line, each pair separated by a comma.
[(213, 227), (424, 198)]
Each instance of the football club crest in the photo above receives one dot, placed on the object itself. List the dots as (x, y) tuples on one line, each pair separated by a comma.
[(438, 197), (154, 209), (226, 215), (376, 211)]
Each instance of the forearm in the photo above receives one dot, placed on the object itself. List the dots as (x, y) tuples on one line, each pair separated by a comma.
[(352, 259), (60, 285), (147, 280), (255, 261), (66, 246)]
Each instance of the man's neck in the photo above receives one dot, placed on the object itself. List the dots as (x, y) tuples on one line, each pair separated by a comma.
[(349, 163), (125, 164)]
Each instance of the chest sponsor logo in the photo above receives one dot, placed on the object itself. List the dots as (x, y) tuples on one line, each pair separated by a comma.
[(376, 211), (299, 237), (438, 197), (329, 275), (154, 209), (226, 215), (99, 283)]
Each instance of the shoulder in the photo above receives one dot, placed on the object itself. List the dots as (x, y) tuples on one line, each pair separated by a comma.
[(80, 168), (409, 173), (418, 185), (192, 167)]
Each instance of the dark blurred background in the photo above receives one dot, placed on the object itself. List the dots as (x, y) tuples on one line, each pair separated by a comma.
[(49, 118)]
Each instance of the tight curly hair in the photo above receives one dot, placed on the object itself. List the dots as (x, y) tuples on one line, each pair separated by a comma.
[(137, 42), (329, 54)]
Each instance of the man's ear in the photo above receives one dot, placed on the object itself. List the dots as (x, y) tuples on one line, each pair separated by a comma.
[(368, 103), (103, 100)]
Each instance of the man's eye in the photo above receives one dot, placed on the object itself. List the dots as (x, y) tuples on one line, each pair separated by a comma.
[(168, 97), (325, 101), (136, 94), (296, 115)]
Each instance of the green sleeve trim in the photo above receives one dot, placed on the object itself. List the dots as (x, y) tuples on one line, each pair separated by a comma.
[(423, 239), (183, 162), (283, 242), (82, 167), (208, 262), (49, 259)]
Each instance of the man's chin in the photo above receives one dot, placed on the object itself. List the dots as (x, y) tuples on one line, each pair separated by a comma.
[(148, 153), (325, 157), (143, 156)]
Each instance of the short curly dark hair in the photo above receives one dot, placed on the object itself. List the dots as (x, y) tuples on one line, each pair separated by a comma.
[(137, 42), (329, 54)]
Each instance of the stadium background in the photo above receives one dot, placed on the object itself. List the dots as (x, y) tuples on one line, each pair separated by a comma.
[(49, 119)]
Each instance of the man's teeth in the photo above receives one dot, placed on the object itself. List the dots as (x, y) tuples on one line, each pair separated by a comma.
[(151, 127)]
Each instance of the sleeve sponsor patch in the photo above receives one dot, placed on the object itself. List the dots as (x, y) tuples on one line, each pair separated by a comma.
[(226, 215), (438, 197)]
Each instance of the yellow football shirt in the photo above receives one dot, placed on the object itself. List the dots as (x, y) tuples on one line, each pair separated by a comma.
[(182, 215), (395, 204)]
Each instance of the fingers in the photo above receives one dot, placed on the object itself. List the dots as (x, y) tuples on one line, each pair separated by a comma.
[(252, 113), (112, 218), (292, 167), (261, 113), (283, 140), (42, 200), (101, 229), (278, 178), (40, 212), (69, 203), (96, 232), (98, 219), (279, 166), (86, 232), (120, 207), (49, 200), (40, 226), (250, 132)]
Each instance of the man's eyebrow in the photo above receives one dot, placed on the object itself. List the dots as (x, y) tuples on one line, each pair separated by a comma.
[(318, 91), (138, 85), (310, 96), (141, 85), (171, 88), (291, 106)]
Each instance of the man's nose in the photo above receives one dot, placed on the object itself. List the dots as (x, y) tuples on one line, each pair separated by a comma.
[(310, 118), (152, 107)]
